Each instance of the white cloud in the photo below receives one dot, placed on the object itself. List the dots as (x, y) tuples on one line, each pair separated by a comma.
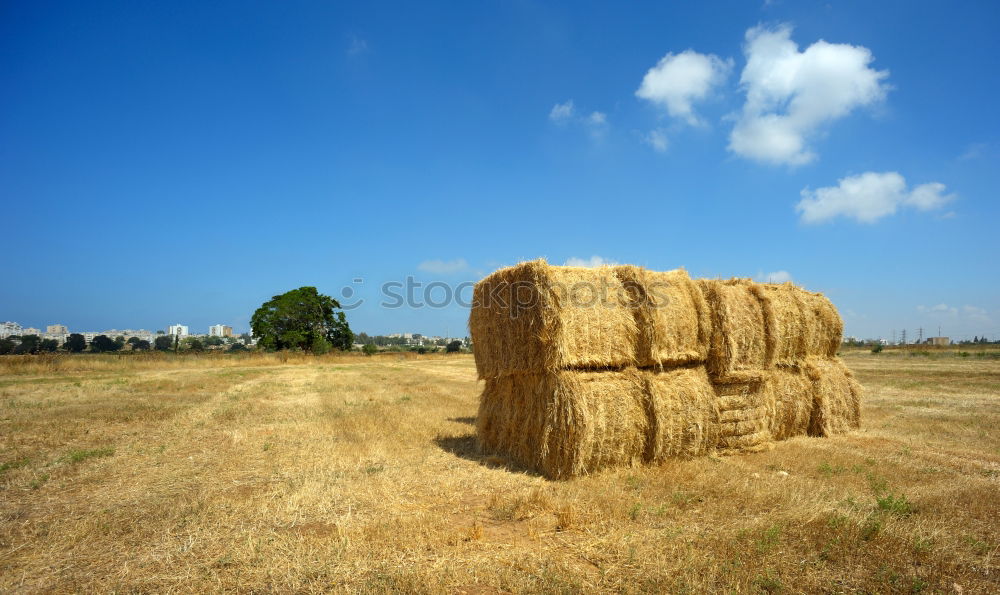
[(357, 46), (443, 267), (927, 197), (790, 94), (561, 112), (776, 277), (592, 262), (973, 151), (868, 197), (977, 314), (657, 139), (938, 309), (597, 119), (679, 80)]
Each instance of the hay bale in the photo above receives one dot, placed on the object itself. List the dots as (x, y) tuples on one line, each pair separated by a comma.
[(784, 322), (683, 414), (533, 318), (823, 328), (791, 397), (566, 423), (836, 397), (745, 410), (738, 348), (671, 315)]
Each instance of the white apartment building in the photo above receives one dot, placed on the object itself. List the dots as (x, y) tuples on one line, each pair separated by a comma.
[(9, 328), (179, 330), (30, 331), (56, 329), (220, 330)]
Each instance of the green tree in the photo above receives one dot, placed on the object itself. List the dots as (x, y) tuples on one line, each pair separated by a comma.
[(141, 345), (303, 319), (75, 343), (369, 349), (194, 344), (48, 345), (7, 346), (29, 344), (453, 347), (237, 347), (214, 341), (102, 343), (163, 343)]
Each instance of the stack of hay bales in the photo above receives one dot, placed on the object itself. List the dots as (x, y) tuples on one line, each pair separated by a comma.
[(588, 368)]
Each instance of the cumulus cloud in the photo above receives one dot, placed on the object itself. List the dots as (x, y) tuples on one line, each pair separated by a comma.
[(562, 112), (868, 197), (680, 80), (443, 267), (592, 262), (790, 94), (657, 139)]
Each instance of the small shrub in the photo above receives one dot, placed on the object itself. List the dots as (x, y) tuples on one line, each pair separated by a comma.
[(893, 504), (78, 456), (871, 529), (877, 348), (769, 538), (827, 469), (769, 583), (13, 464)]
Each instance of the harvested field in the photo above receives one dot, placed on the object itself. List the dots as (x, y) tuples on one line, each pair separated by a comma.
[(353, 474)]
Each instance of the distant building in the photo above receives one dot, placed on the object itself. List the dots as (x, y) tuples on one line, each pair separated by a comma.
[(9, 328), (939, 341), (179, 330), (56, 329), (30, 331), (220, 330)]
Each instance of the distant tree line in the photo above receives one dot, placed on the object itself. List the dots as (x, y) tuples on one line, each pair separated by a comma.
[(77, 343)]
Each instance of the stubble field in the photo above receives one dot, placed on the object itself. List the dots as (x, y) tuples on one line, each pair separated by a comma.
[(361, 474)]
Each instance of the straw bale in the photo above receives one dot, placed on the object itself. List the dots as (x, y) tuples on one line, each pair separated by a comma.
[(738, 347), (823, 328), (836, 397), (683, 415), (533, 318), (671, 315), (784, 321), (745, 410), (791, 392), (566, 423)]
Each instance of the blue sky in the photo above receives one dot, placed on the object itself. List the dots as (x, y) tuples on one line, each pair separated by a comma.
[(183, 162)]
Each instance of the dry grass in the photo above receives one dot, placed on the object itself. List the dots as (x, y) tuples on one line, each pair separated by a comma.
[(357, 474)]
